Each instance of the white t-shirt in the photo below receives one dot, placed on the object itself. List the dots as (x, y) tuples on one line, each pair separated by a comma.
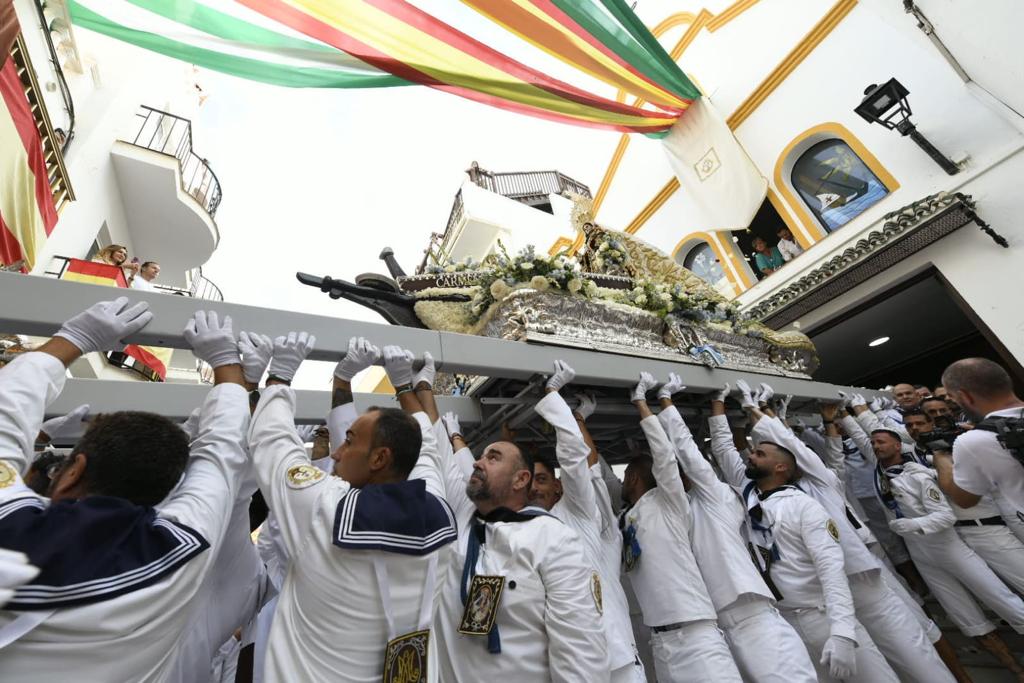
[(139, 282), (981, 465), (789, 249)]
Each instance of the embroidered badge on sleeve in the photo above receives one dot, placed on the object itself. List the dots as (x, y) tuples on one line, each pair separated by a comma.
[(833, 530), (595, 590), (7, 475), (934, 495), (301, 476)]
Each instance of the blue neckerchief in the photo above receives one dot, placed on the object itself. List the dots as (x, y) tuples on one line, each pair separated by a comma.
[(477, 537), (400, 517), (92, 549), (884, 490)]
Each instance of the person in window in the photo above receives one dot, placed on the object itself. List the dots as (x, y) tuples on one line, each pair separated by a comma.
[(768, 259), (787, 245)]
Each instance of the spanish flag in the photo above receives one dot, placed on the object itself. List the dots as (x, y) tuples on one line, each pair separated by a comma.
[(150, 362), (27, 212)]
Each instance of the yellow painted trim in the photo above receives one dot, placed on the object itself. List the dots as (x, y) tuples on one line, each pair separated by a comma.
[(790, 62), (804, 48), (730, 13), (811, 227), (794, 226), (652, 206), (613, 166), (560, 244), (726, 252)]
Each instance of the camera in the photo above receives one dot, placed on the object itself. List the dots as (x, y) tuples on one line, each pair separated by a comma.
[(1010, 433), (942, 437)]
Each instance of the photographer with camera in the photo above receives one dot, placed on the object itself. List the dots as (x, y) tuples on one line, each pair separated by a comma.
[(982, 527), (989, 459)]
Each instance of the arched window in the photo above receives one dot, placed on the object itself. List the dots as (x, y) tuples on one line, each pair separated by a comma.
[(835, 184), (702, 262)]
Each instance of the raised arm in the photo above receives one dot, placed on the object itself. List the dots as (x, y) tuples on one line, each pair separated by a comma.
[(571, 449), (665, 468), (30, 383), (586, 407), (398, 364), (723, 449), (861, 439), (463, 456), (696, 467), (217, 459), (361, 354)]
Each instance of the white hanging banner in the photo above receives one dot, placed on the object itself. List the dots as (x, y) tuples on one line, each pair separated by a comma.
[(719, 186)]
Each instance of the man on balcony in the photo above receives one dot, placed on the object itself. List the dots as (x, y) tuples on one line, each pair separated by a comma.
[(143, 280)]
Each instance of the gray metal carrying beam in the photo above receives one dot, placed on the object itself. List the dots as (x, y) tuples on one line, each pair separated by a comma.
[(38, 306), (176, 401)]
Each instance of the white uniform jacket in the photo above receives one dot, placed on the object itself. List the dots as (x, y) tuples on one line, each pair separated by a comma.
[(825, 486), (718, 519), (547, 618), (666, 579), (919, 498), (134, 636), (579, 509), (330, 622)]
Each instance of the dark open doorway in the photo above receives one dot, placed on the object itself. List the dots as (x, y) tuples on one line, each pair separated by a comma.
[(928, 326)]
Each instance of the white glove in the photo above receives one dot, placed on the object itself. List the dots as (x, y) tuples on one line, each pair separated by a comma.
[(764, 394), (587, 406), (844, 403), (838, 655), (673, 386), (888, 404), (857, 400), (398, 365), (782, 407), (427, 372), (904, 526), (289, 352), (104, 325), (210, 340), (562, 375), (876, 405), (746, 394), (646, 383), (451, 424), (361, 354), (722, 393), (256, 350), (306, 432), (70, 426), (15, 571)]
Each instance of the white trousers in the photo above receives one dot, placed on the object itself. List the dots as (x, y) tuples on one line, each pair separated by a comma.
[(1001, 549), (631, 673), (752, 628), (813, 626), (695, 652), (897, 630), (954, 572)]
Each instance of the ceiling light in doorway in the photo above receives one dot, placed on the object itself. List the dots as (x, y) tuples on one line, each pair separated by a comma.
[(878, 342)]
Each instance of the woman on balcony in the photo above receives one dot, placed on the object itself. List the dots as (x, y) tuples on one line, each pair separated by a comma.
[(115, 255)]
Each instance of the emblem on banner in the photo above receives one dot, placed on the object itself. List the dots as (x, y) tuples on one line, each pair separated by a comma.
[(481, 605), (405, 659), (707, 165), (301, 476)]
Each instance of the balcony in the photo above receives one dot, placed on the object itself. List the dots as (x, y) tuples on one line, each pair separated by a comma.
[(169, 192), (478, 219)]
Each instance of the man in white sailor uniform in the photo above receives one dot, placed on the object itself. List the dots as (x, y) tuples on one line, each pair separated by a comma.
[(368, 546), (118, 568), (798, 550), (520, 602), (744, 603), (920, 513), (575, 502), (895, 629), (660, 564)]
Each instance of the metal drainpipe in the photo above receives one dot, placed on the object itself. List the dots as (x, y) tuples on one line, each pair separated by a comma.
[(929, 30), (69, 103)]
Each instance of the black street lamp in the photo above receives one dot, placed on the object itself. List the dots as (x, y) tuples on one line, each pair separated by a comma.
[(887, 104)]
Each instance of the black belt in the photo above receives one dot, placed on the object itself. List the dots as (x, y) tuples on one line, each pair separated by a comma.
[(988, 521), (668, 627)]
